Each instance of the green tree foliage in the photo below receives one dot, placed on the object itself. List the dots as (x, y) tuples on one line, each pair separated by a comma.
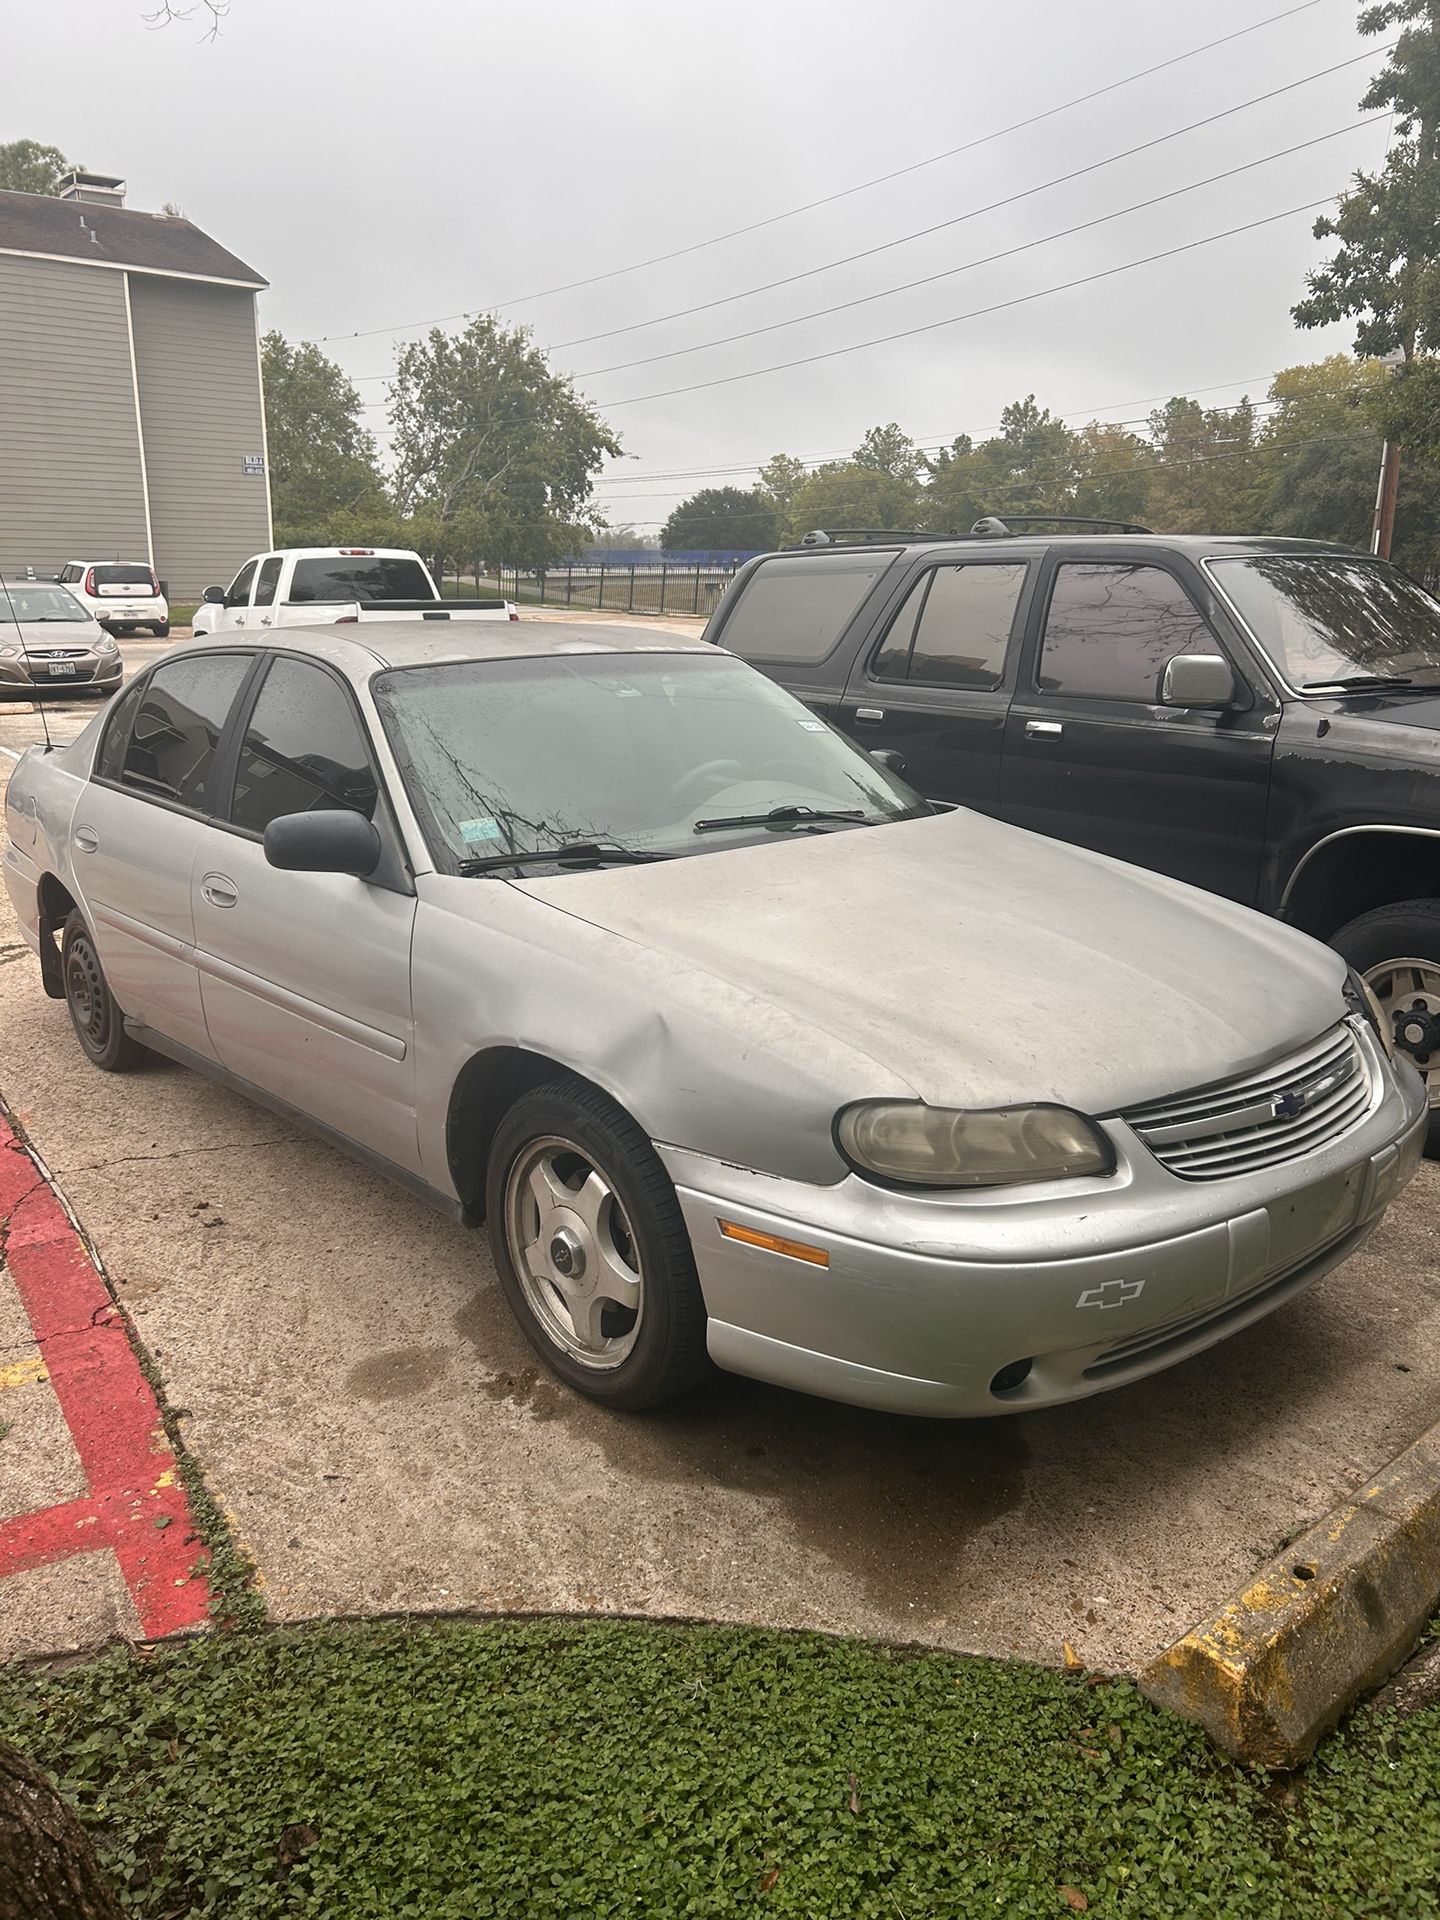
[(1114, 473), (847, 494), (1030, 466), (887, 450), (1206, 477), (721, 520), (498, 449), (324, 479), (1385, 273), (781, 478), (28, 167)]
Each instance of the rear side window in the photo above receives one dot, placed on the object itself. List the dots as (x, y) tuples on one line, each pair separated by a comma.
[(303, 750), (796, 606), (954, 628), (1110, 629), (169, 748), (111, 757), (372, 582)]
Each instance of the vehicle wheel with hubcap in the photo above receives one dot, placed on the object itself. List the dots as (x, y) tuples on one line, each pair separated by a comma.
[(1397, 949), (98, 1022), (592, 1249)]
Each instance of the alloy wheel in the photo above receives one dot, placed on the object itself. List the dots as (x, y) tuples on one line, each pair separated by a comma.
[(574, 1253), (1409, 994)]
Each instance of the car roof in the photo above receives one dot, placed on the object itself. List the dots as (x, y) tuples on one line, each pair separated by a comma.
[(1197, 546), (361, 650)]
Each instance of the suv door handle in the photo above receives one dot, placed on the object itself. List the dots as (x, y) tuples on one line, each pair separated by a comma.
[(1050, 728), (219, 891), (86, 839), (869, 713)]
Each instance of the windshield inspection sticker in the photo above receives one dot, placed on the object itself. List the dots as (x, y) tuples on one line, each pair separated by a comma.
[(813, 726), (472, 832)]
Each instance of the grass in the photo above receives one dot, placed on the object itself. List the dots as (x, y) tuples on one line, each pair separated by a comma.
[(182, 614), (543, 1769)]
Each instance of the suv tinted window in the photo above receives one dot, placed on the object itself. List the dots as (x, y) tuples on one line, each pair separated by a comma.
[(796, 606), (1110, 629), (171, 747), (303, 750)]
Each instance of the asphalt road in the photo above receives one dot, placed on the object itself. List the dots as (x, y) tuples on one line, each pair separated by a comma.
[(359, 1398)]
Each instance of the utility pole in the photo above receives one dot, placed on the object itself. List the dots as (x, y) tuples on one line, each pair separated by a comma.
[(1383, 532)]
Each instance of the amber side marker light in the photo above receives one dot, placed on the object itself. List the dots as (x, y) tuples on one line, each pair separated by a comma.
[(772, 1243)]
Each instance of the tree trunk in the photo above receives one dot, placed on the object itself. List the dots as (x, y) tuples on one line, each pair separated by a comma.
[(48, 1869)]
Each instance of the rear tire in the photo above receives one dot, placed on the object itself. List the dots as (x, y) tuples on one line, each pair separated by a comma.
[(1397, 948), (592, 1250), (96, 1017), (162, 631)]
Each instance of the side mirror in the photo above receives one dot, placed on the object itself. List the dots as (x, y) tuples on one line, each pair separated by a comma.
[(1197, 680), (338, 841), (888, 758), (214, 596)]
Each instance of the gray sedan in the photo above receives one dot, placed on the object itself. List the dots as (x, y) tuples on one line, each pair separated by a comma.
[(746, 1054), (48, 639)]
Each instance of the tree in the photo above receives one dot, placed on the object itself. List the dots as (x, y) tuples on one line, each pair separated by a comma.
[(28, 167), (323, 468), (1206, 477), (845, 494), (47, 1865), (1114, 473), (721, 520), (482, 427), (887, 450), (1385, 273), (781, 478), (1030, 466)]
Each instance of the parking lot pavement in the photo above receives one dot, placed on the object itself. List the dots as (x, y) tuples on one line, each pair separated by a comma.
[(351, 1382)]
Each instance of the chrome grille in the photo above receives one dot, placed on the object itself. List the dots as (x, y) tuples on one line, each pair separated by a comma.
[(1283, 1110)]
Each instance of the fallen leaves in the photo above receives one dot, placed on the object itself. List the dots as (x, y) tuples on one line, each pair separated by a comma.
[(1075, 1899)]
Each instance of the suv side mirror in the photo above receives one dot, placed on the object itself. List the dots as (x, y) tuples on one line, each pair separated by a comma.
[(215, 596), (338, 841), (1197, 680)]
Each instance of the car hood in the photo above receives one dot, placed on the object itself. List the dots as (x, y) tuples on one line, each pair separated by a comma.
[(38, 636), (981, 963)]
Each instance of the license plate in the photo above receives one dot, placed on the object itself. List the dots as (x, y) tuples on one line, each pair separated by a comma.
[(62, 669)]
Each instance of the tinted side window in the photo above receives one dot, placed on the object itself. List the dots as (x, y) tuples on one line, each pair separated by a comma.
[(111, 757), (1110, 629), (302, 751), (265, 583), (796, 606), (892, 661), (238, 591), (178, 722), (965, 627)]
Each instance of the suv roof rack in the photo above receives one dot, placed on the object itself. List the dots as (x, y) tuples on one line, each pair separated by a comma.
[(866, 536), (992, 527)]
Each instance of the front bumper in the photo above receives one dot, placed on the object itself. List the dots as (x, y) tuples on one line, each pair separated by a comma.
[(926, 1298), (90, 670)]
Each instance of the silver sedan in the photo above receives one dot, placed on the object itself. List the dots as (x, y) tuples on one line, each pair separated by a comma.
[(48, 639), (747, 1054)]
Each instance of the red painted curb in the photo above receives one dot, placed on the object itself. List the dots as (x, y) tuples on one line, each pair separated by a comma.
[(136, 1505)]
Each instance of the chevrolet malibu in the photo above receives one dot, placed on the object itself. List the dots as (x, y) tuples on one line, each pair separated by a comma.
[(745, 1053)]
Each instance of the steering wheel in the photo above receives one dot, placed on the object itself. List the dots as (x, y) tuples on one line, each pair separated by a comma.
[(714, 770)]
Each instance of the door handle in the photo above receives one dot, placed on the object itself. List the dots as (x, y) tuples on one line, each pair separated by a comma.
[(219, 891), (869, 713), (1043, 728), (86, 839)]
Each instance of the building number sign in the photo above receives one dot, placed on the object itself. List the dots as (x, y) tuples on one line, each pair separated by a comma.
[(253, 462)]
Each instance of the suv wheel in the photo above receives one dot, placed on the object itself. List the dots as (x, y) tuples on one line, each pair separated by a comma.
[(1398, 950), (98, 1022), (592, 1249)]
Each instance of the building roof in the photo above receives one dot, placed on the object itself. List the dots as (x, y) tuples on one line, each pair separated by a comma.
[(37, 224)]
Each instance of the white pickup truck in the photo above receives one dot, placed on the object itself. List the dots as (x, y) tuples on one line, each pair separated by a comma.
[(325, 586)]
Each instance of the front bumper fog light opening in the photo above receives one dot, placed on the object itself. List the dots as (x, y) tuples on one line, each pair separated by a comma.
[(1008, 1378)]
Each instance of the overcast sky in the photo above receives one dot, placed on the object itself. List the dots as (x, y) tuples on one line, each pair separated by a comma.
[(384, 165)]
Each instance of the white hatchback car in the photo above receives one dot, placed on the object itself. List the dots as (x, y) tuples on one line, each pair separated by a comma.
[(121, 594)]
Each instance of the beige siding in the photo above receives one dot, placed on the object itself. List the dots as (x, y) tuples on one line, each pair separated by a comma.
[(201, 412), (70, 486)]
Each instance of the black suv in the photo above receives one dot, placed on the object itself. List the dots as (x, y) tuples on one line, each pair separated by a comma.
[(1259, 717)]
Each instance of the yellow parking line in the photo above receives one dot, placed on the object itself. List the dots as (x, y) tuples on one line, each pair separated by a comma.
[(20, 1373)]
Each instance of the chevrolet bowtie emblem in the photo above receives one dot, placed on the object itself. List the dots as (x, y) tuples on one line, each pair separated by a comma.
[(1113, 1293)]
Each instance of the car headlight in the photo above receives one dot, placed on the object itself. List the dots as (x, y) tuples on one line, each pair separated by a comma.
[(1361, 996), (919, 1146), (106, 645), (9, 653)]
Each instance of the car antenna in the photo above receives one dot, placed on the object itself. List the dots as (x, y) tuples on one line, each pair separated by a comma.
[(25, 654)]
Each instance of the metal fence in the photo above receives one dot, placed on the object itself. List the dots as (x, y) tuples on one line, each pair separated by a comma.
[(626, 589)]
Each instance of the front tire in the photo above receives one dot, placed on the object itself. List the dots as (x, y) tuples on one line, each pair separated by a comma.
[(98, 1022), (592, 1249), (1397, 948)]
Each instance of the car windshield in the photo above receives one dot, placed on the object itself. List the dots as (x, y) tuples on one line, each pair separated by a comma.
[(1329, 618), (630, 751), (372, 581), (25, 600)]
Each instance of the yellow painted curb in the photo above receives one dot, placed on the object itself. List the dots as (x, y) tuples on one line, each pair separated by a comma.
[(1320, 1625)]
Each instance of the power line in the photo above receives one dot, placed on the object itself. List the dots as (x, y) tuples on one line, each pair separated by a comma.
[(844, 193), (986, 260), (976, 313)]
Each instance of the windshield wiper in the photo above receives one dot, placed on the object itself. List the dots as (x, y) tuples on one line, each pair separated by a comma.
[(586, 852), (1358, 683), (796, 816)]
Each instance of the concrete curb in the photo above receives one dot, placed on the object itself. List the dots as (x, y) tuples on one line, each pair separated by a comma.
[(1320, 1625)]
